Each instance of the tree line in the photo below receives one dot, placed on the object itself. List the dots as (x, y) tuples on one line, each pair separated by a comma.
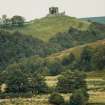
[(16, 21)]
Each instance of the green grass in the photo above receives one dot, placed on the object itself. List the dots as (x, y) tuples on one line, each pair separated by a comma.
[(47, 27)]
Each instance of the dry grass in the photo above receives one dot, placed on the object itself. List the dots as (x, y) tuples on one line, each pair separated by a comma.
[(96, 96), (75, 50)]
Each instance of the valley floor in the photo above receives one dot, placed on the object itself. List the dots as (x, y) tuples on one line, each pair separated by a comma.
[(95, 83), (95, 97)]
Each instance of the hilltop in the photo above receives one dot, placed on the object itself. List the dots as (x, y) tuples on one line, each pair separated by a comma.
[(45, 28)]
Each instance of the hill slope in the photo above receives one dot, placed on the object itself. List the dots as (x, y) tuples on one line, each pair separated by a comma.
[(75, 50), (16, 46), (47, 27), (60, 32), (53, 64), (100, 20)]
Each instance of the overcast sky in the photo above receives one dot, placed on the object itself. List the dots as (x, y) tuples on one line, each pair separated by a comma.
[(31, 9)]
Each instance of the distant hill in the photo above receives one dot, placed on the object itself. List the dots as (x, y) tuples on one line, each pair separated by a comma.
[(100, 20)]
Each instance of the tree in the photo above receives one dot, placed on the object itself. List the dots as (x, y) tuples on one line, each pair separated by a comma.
[(8, 22), (70, 81), (4, 22), (85, 59), (56, 99), (54, 67), (68, 59), (98, 58), (20, 79), (16, 81), (79, 97), (37, 84), (17, 20)]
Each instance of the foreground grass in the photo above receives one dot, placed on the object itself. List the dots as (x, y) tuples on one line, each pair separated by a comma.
[(95, 82), (98, 97)]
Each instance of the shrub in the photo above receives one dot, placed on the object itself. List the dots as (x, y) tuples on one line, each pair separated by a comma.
[(56, 99), (85, 59), (70, 81), (79, 97), (68, 59), (16, 81), (54, 67)]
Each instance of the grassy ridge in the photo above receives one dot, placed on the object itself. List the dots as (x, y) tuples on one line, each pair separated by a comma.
[(47, 27)]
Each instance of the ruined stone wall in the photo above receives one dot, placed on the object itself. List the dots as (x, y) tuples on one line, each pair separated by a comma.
[(54, 11)]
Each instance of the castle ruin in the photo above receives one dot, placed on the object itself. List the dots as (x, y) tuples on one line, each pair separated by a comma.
[(54, 11)]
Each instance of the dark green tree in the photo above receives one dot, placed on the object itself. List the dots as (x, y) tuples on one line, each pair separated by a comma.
[(68, 59), (85, 59), (56, 99), (37, 84), (79, 97), (98, 59), (70, 81), (54, 67), (17, 20), (16, 81)]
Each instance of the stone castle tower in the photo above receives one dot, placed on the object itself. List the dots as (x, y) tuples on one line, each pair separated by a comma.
[(54, 11)]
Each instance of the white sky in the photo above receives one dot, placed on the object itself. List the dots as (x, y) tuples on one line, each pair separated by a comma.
[(31, 9)]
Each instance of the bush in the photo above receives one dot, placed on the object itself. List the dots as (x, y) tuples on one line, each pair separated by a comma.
[(85, 59), (56, 99), (15, 80), (98, 59), (54, 67), (20, 81), (68, 59), (79, 97), (70, 81)]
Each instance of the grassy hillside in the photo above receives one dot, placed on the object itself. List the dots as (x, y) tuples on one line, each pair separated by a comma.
[(100, 20), (48, 64), (75, 50), (18, 45), (15, 46), (36, 56), (47, 27), (74, 37)]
